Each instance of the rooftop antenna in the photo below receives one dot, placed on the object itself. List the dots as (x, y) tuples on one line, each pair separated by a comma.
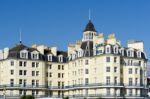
[(89, 14), (20, 36)]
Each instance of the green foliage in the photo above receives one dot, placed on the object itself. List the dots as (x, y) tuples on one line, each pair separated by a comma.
[(27, 97), (66, 98)]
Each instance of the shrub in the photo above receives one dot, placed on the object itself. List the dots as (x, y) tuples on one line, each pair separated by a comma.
[(66, 98), (27, 97)]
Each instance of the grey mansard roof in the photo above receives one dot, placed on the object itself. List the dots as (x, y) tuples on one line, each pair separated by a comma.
[(87, 47), (15, 53)]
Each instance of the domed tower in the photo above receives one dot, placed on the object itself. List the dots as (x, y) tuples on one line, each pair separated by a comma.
[(89, 32)]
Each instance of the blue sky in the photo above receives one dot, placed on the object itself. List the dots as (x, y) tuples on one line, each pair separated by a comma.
[(60, 22)]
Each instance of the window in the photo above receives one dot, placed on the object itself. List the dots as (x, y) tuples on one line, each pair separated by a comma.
[(50, 57), (59, 75), (25, 72), (108, 91), (115, 80), (129, 53), (139, 63), (59, 67), (20, 81), (60, 58), (86, 62), (130, 70), (136, 81), (25, 64), (20, 72), (108, 80), (23, 55), (107, 69), (59, 83), (35, 56), (12, 63), (115, 59), (33, 73), (33, 64), (20, 63), (107, 50), (136, 92), (50, 74), (50, 66), (62, 75), (130, 92), (115, 69), (116, 50), (11, 82), (86, 71), (136, 70), (37, 65), (107, 59), (139, 54), (37, 83), (62, 67), (37, 73), (86, 81), (130, 81), (33, 82), (11, 72)]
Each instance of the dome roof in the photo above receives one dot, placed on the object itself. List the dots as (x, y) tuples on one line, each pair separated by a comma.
[(90, 27)]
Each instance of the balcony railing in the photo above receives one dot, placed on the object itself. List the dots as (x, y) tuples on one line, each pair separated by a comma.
[(72, 86), (95, 85), (134, 85), (22, 86)]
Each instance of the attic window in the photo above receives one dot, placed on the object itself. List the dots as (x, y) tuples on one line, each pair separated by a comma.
[(60, 58), (23, 55), (139, 54), (35, 56), (122, 52), (50, 57), (130, 53), (108, 49), (115, 50)]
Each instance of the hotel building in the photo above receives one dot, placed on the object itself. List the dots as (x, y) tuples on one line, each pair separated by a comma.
[(93, 67)]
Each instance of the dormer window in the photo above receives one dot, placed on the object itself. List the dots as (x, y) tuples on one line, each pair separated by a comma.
[(50, 57), (122, 52), (80, 53), (24, 54), (116, 50), (130, 53), (60, 58), (34, 55), (139, 54), (107, 49)]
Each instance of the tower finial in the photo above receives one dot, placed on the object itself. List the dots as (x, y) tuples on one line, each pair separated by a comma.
[(89, 14), (20, 36)]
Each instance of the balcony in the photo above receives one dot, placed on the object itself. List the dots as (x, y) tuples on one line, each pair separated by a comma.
[(134, 85), (96, 95), (95, 85), (17, 86), (135, 96)]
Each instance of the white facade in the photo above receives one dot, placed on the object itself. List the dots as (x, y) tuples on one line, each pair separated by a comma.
[(93, 68)]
